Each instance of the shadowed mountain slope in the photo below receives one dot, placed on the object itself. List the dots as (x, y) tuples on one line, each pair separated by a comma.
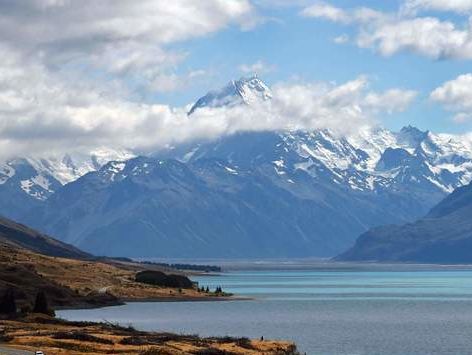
[(442, 236), (15, 234)]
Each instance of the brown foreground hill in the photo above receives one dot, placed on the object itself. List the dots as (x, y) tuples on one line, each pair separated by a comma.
[(53, 336)]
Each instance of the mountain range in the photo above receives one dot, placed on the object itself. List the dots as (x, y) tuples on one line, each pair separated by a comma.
[(250, 194)]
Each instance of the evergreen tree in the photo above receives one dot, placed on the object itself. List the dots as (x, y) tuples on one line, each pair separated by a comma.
[(41, 304), (8, 304), (207, 290)]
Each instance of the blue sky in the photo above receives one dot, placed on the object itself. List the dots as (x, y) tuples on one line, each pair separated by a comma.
[(120, 72), (299, 48)]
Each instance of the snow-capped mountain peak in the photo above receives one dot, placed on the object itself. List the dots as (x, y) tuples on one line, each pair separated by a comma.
[(243, 91), (375, 156), (411, 137)]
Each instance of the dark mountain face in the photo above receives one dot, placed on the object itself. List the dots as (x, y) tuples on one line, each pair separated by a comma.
[(18, 235), (166, 208), (459, 202), (394, 158), (442, 236)]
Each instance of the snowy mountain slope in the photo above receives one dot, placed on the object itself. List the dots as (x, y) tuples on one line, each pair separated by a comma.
[(26, 182), (69, 167), (244, 91)]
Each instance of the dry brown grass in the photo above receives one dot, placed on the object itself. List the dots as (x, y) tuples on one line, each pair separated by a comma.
[(35, 333)]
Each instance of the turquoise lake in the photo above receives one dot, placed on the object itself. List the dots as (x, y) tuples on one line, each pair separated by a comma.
[(324, 309)]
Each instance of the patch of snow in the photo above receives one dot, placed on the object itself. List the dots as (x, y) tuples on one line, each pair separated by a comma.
[(6, 172), (28, 186), (279, 163), (447, 189), (42, 182), (305, 166), (371, 182), (232, 171)]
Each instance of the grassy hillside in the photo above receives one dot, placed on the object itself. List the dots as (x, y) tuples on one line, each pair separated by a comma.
[(18, 235), (81, 283)]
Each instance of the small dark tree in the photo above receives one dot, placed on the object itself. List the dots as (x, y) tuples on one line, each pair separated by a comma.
[(41, 304), (25, 309), (8, 304), (207, 290)]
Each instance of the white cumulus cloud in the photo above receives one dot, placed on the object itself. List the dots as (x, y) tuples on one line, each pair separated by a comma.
[(326, 11), (456, 96), (459, 6), (259, 67), (427, 36), (391, 33), (122, 37)]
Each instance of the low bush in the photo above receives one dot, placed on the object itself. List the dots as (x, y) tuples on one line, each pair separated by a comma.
[(156, 351), (212, 351), (158, 339), (82, 336)]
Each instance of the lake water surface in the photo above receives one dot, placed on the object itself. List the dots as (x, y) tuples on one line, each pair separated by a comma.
[(325, 310)]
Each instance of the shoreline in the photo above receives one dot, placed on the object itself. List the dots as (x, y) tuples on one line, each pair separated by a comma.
[(190, 299), (125, 301)]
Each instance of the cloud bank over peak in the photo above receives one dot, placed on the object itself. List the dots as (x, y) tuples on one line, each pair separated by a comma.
[(44, 113)]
